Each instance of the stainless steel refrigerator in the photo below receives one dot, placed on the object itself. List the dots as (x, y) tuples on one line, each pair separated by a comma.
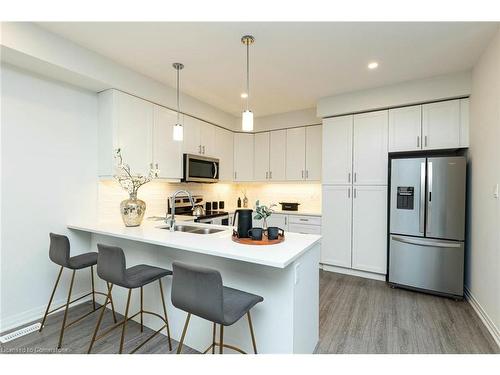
[(427, 224)]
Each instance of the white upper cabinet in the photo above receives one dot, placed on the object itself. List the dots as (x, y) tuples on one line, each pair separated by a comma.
[(405, 128), (261, 157), (167, 153), (369, 229), (295, 154), (336, 225), (441, 125), (464, 122), (224, 151), (199, 137), (277, 155), (337, 150), (370, 148), (125, 122), (243, 156), (313, 153)]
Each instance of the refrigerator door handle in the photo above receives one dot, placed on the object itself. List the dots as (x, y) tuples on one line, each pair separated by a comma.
[(427, 242), (422, 199), (429, 192)]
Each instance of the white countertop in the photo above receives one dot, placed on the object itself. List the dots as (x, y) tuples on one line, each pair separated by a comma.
[(216, 244)]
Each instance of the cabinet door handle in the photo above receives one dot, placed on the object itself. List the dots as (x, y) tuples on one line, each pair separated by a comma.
[(425, 141), (156, 166), (199, 149), (418, 141), (355, 176), (355, 195), (270, 174), (267, 175), (235, 175), (349, 177), (302, 173), (349, 193), (307, 173), (203, 150)]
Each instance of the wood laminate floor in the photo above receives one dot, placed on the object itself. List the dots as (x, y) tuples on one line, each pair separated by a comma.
[(356, 316)]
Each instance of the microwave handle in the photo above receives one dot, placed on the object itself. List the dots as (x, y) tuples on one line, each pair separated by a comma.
[(215, 170)]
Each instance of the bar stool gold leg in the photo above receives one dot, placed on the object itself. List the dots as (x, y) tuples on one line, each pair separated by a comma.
[(142, 309), (112, 304), (93, 289), (251, 332), (103, 309), (51, 298), (213, 338), (166, 317), (125, 321), (179, 348), (221, 339), (66, 310)]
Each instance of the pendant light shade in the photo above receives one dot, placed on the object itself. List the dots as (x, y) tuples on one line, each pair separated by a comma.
[(178, 133), (247, 115), (247, 121)]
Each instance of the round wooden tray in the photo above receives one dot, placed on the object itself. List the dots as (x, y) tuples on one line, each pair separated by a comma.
[(264, 241)]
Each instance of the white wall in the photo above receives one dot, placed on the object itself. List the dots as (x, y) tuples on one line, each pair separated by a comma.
[(49, 169), (31, 47), (400, 94), (287, 120), (483, 257)]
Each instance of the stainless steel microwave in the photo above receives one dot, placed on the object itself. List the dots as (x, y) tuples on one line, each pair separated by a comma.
[(200, 168)]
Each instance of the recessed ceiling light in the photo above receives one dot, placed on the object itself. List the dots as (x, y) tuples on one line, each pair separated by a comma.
[(244, 95), (373, 65)]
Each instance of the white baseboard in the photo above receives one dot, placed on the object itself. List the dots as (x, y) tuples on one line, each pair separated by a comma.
[(21, 319), (351, 272), (495, 332)]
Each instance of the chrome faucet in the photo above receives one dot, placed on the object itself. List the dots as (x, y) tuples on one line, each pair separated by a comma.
[(170, 220)]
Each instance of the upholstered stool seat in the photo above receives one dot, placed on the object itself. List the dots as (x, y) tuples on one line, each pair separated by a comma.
[(59, 253), (111, 266), (199, 291)]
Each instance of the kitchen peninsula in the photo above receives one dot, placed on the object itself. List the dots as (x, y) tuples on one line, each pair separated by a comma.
[(286, 275)]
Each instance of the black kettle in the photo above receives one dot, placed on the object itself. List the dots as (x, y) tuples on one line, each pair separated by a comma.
[(244, 221)]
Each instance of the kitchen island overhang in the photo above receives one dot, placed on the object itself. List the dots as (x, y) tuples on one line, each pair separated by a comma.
[(286, 275)]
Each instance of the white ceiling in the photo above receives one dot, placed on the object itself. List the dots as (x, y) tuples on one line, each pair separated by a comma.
[(292, 64)]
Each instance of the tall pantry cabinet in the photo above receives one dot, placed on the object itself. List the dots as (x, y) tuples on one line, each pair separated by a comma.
[(354, 200)]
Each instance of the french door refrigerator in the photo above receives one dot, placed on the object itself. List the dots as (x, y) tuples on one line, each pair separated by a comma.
[(427, 224)]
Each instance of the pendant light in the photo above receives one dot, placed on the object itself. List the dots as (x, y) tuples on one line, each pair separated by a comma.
[(247, 115), (178, 134)]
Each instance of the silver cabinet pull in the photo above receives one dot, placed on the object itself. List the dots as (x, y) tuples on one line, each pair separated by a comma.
[(203, 147), (271, 174), (355, 195), (235, 175), (418, 141), (355, 176), (267, 175), (307, 173), (425, 141), (199, 149), (302, 173), (349, 193), (349, 177)]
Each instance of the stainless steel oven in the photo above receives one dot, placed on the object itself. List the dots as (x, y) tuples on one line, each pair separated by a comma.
[(200, 169)]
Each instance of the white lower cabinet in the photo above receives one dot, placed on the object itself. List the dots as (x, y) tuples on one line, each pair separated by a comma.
[(354, 227), (369, 228), (336, 225)]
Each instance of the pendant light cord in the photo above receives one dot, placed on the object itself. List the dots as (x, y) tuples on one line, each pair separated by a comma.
[(178, 106), (248, 74)]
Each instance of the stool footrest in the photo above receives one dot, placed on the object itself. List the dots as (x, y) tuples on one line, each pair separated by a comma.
[(215, 344)]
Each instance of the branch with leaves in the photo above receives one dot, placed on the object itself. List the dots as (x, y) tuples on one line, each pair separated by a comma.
[(263, 212), (132, 182)]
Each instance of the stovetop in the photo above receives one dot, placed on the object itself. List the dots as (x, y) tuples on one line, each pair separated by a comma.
[(211, 214)]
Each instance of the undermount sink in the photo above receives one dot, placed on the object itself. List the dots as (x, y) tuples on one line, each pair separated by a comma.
[(193, 229)]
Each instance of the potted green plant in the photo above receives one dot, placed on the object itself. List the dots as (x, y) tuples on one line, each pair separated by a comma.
[(263, 212)]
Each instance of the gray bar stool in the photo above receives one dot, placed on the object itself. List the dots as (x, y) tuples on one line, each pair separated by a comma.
[(199, 291), (59, 253), (111, 267)]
